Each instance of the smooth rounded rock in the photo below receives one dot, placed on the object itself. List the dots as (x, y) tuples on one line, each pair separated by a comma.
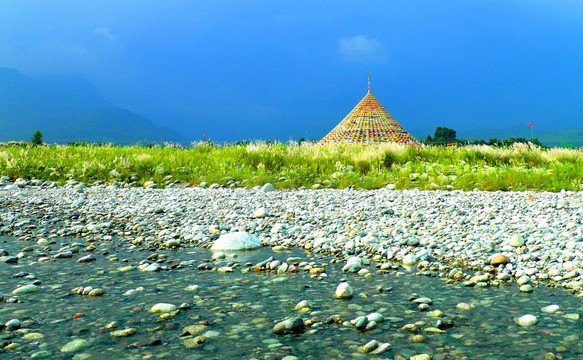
[(237, 241), (516, 240), (369, 346), (96, 292), (75, 346), (268, 187), (12, 324), (163, 308), (123, 332), (26, 289), (409, 259), (550, 309), (87, 258), (527, 320), (260, 213), (344, 291), (295, 325), (499, 259)]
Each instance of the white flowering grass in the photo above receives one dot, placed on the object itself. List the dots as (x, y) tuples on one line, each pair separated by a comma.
[(292, 165)]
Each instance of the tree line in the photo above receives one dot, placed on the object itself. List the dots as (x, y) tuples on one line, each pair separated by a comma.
[(445, 136)]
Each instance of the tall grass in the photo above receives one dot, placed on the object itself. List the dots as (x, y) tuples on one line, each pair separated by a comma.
[(519, 167)]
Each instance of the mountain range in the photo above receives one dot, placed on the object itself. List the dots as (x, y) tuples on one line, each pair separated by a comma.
[(69, 109)]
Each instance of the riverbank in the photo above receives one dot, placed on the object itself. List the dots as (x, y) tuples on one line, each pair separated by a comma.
[(477, 238), (520, 167)]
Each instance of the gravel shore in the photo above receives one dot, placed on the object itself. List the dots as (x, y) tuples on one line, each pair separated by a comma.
[(477, 238)]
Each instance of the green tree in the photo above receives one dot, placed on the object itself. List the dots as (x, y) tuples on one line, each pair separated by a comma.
[(37, 138), (444, 135)]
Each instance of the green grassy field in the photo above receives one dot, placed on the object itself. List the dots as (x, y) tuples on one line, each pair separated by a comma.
[(519, 167)]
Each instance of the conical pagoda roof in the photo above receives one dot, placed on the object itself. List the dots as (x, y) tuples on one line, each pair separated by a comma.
[(368, 123)]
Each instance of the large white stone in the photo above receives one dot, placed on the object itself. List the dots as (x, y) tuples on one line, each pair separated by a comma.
[(516, 241), (268, 188), (344, 291), (409, 259), (261, 213), (527, 320), (553, 308), (26, 289), (237, 241)]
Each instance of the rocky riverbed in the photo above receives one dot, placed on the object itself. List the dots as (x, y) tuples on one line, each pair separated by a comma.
[(520, 243)]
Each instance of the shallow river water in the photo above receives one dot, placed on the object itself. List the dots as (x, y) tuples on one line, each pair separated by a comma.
[(234, 313)]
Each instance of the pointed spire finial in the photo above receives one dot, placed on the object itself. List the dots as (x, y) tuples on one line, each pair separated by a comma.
[(369, 83)]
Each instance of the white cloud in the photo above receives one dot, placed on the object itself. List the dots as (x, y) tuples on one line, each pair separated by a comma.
[(105, 33), (359, 48)]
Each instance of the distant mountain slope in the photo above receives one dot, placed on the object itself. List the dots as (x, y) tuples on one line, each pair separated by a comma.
[(68, 109), (564, 137)]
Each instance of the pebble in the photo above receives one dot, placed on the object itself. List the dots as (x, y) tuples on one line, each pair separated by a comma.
[(376, 317), (96, 292), (303, 306), (572, 316), (550, 309), (409, 259), (527, 320), (163, 308), (516, 241), (420, 357), (194, 342), (464, 306), (123, 332), (369, 346), (524, 279), (151, 267), (268, 187), (172, 243), (26, 289), (260, 213), (75, 346), (295, 325), (12, 324), (87, 258), (499, 259), (344, 291), (218, 255)]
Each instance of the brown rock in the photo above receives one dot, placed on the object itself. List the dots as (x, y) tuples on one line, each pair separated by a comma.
[(499, 259)]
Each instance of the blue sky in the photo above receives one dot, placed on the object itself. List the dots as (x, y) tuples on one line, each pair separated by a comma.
[(286, 69)]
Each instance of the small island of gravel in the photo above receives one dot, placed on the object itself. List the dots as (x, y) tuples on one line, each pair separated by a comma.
[(537, 234)]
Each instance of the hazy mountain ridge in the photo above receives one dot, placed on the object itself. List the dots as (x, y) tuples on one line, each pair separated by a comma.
[(68, 109)]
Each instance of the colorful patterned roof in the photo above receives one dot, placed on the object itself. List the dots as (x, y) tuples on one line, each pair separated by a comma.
[(368, 123)]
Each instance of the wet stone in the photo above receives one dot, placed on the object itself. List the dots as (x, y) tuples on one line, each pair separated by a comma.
[(75, 346), (123, 332), (194, 342)]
